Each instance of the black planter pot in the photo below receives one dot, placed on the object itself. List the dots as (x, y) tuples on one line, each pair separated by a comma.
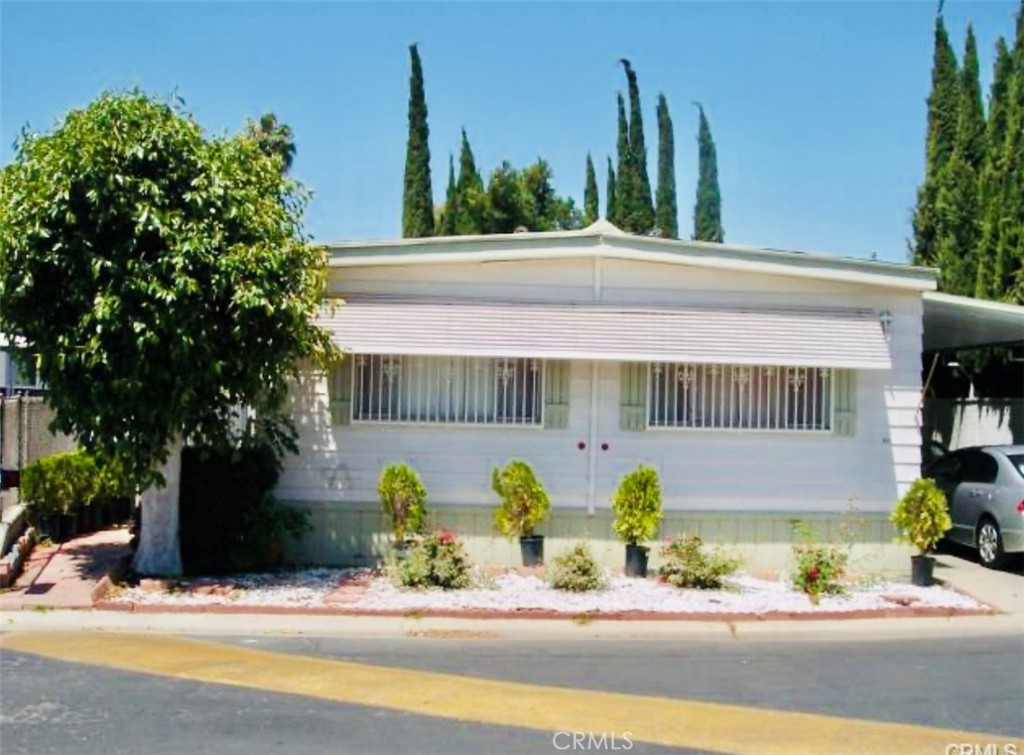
[(921, 568), (123, 510), (67, 527), (48, 527), (95, 517), (82, 520), (636, 560), (532, 547)]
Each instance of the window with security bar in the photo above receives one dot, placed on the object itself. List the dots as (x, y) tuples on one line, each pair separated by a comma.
[(740, 397), (448, 390)]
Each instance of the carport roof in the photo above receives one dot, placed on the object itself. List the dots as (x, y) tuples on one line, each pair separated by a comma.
[(958, 322)]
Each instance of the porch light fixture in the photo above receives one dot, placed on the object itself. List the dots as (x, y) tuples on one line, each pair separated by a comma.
[(885, 319)]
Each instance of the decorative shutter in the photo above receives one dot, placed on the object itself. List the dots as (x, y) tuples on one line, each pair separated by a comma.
[(633, 396), (339, 389), (556, 395), (846, 402)]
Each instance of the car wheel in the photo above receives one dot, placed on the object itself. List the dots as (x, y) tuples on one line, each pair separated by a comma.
[(990, 544)]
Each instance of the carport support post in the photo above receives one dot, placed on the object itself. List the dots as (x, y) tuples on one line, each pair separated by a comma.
[(159, 551)]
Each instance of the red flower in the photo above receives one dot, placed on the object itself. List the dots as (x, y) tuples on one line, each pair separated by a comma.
[(445, 536), (812, 573)]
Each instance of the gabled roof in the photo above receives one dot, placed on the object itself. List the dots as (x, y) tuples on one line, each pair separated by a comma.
[(602, 239)]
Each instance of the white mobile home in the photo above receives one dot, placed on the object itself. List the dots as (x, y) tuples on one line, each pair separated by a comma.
[(764, 386)]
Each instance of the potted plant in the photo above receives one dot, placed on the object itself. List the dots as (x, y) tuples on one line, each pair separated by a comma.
[(404, 500), (922, 518), (637, 507), (524, 505)]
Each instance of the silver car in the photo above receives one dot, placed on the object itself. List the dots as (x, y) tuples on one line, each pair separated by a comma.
[(985, 489)]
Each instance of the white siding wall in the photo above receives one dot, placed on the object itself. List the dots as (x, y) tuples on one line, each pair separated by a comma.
[(701, 470)]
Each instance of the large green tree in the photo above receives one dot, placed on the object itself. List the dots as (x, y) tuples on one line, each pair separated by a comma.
[(640, 217), (591, 205), (418, 194), (666, 213), (707, 212), (274, 139), (162, 279), (943, 115)]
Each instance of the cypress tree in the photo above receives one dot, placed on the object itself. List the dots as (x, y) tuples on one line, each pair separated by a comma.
[(641, 211), (610, 194), (943, 109), (470, 199), (623, 187), (666, 214), (970, 135), (990, 184), (957, 210), (1009, 264), (418, 198), (451, 204), (707, 212), (591, 208)]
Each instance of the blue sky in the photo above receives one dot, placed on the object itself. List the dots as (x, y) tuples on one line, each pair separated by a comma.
[(817, 108)]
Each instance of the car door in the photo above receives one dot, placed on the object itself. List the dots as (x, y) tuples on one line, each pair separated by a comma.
[(947, 475), (978, 472)]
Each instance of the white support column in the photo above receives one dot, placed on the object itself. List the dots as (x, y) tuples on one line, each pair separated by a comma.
[(159, 551)]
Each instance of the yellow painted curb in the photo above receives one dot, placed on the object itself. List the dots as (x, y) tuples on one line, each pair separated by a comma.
[(670, 722)]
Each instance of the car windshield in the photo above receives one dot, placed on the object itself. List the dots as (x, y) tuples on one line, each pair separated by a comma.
[(1018, 462)]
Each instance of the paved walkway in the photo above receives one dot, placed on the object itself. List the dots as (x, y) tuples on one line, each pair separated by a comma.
[(65, 575)]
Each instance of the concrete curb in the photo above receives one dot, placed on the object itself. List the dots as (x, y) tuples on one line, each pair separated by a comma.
[(896, 612)]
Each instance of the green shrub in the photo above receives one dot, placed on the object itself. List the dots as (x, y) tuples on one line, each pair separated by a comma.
[(524, 502), (637, 506), (61, 483), (436, 560), (403, 498), (818, 568), (922, 516), (577, 571), (229, 520), (689, 564)]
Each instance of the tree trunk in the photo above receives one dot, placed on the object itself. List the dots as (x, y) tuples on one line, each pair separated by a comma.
[(159, 551)]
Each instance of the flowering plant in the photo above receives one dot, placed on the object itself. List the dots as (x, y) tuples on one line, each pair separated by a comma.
[(818, 568)]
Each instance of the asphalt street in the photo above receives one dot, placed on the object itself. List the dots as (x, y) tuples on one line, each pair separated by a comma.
[(974, 684), (53, 706)]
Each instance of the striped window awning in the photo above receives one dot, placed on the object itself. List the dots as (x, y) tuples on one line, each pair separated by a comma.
[(841, 338)]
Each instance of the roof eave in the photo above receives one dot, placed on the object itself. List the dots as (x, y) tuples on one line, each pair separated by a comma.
[(574, 244)]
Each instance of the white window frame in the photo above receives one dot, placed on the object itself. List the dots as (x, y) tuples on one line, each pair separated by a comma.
[(11, 387), (539, 397), (809, 431)]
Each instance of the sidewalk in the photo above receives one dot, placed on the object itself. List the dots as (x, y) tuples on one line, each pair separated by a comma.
[(65, 575)]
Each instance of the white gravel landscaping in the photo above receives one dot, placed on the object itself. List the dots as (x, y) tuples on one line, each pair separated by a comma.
[(511, 592)]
